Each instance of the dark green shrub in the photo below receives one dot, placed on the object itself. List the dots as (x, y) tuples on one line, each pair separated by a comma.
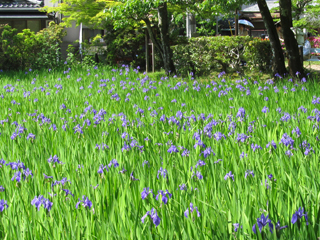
[(20, 51), (125, 45), (49, 40), (204, 54), (258, 54)]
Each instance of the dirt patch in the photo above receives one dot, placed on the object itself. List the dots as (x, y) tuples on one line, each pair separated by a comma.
[(314, 67)]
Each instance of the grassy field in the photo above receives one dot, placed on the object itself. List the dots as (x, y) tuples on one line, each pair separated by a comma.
[(114, 154)]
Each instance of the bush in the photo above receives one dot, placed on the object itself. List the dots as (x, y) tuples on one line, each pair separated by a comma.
[(314, 41), (204, 54), (258, 54), (124, 45), (49, 40), (20, 51)]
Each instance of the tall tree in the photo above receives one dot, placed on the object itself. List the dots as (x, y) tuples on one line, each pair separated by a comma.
[(310, 10), (294, 60), (154, 14), (278, 66)]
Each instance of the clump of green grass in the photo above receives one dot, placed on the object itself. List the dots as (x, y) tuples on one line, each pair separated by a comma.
[(110, 127)]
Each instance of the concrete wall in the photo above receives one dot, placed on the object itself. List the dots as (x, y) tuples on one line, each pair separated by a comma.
[(50, 4), (72, 32)]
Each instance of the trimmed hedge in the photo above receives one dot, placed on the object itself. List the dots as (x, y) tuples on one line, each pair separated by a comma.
[(204, 54), (20, 51)]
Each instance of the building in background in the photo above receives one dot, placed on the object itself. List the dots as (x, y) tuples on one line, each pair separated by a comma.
[(22, 14), (252, 14)]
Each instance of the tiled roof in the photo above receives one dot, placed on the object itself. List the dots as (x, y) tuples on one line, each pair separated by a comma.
[(7, 4), (254, 8)]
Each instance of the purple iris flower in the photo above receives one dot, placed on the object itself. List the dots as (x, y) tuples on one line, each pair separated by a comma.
[(123, 170), (132, 178), (13, 165), (27, 172), (243, 155), (16, 176), (3, 205), (146, 192), (85, 202), (185, 153), (207, 152), (200, 144), (255, 147), (236, 226), (199, 176), (163, 172), (272, 143), (218, 136), (125, 147), (114, 163), (47, 177), (242, 137), (144, 163), (289, 153), (186, 213), (68, 192), (219, 160), (102, 146), (298, 215), (54, 159), (287, 140), (200, 163), (78, 129), (229, 175), (278, 227), (183, 187), (2, 189), (165, 195), (54, 127), (265, 109), (2, 162), (101, 168), (63, 181), (262, 222), (241, 113), (248, 172), (297, 131), (38, 201), (172, 149), (21, 165), (153, 215), (163, 118), (31, 136)]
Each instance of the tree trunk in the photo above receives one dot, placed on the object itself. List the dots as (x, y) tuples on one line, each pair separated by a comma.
[(278, 66), (294, 61), (163, 25)]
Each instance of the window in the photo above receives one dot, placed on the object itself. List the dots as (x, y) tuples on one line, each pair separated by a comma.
[(33, 25), (88, 34)]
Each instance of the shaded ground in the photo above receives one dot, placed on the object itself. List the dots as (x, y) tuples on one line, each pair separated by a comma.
[(313, 66)]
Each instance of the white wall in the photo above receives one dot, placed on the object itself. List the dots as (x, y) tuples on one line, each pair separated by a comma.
[(50, 4), (72, 33)]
